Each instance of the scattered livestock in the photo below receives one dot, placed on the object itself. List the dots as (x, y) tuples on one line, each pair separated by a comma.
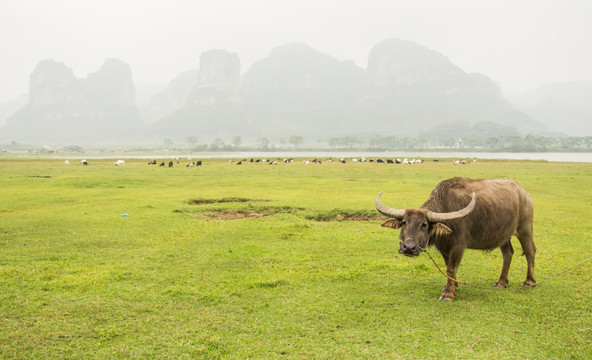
[(390, 161), (462, 162), (411, 162), (171, 163), (271, 162), (461, 214), (317, 161)]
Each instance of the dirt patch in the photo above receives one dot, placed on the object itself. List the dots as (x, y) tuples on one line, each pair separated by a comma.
[(230, 215), (220, 201), (255, 211), (251, 212), (270, 284)]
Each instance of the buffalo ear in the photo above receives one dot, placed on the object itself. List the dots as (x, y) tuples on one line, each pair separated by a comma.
[(392, 223), (440, 229)]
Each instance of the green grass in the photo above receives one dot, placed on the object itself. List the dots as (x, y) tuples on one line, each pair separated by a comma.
[(287, 261)]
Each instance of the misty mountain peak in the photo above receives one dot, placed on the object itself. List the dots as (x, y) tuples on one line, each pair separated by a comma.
[(297, 65), (396, 62), (219, 76), (64, 108), (51, 82), (112, 82), (296, 53), (296, 89)]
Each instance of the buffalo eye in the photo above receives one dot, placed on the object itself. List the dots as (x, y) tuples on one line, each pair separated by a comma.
[(403, 222), (424, 224)]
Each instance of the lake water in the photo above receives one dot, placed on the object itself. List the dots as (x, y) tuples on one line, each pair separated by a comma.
[(584, 157)]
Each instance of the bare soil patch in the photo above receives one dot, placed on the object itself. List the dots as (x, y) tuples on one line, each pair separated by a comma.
[(251, 212), (230, 215), (222, 201)]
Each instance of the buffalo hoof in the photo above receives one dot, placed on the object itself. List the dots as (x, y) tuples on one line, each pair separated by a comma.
[(528, 283), (446, 298), (501, 284)]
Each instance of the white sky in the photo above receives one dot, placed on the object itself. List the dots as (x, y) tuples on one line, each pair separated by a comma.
[(520, 44)]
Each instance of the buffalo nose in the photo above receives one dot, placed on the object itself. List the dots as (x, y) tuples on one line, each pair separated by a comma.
[(408, 248)]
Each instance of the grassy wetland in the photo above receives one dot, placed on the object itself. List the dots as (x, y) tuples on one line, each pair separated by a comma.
[(276, 262)]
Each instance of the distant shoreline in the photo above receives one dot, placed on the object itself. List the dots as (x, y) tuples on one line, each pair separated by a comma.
[(583, 157)]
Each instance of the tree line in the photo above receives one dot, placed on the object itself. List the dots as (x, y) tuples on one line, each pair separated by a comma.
[(506, 143)]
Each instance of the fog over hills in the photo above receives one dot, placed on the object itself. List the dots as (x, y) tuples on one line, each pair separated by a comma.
[(9, 108), (63, 108), (406, 90), (563, 107), (416, 88), (173, 97)]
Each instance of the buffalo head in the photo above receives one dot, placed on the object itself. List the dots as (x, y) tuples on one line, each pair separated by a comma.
[(418, 226)]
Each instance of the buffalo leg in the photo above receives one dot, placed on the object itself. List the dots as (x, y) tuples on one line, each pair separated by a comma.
[(507, 252), (454, 258), (529, 249), (445, 256)]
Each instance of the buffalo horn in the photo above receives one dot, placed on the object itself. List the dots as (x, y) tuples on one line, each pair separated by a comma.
[(441, 217), (387, 211)]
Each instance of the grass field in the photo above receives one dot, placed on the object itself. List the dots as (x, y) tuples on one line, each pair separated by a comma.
[(275, 262)]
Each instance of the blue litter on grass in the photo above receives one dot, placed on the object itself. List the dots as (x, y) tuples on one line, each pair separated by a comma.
[(124, 214)]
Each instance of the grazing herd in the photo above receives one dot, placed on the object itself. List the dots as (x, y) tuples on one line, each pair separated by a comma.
[(316, 161), (328, 160), (170, 163)]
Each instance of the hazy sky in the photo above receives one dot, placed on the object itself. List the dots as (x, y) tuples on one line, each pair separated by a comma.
[(519, 44)]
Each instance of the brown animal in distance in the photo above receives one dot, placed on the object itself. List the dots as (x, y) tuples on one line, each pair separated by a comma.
[(491, 212)]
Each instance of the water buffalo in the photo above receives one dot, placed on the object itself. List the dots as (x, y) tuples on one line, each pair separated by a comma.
[(491, 212)]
